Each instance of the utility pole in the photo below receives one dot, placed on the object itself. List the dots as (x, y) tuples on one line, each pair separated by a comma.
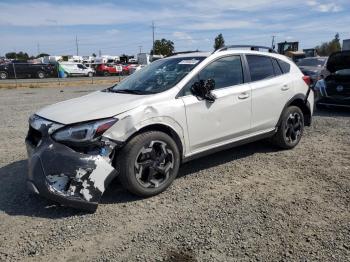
[(99, 53), (273, 42), (77, 45), (140, 48), (153, 27), (38, 48)]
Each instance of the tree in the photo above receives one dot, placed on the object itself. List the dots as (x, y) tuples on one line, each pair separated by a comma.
[(42, 55), (93, 54), (219, 42), (163, 47), (18, 56), (327, 48)]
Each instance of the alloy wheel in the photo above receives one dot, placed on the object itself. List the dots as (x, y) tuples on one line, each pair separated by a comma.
[(3, 75), (153, 164), (293, 128)]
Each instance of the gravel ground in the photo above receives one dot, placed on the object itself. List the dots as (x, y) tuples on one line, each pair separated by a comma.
[(251, 203)]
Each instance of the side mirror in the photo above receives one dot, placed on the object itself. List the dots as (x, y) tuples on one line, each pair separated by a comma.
[(202, 90)]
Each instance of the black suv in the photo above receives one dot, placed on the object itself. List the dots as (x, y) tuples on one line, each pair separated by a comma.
[(22, 69), (337, 84)]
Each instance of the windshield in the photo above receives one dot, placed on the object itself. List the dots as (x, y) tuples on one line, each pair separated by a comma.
[(343, 72), (159, 76), (316, 62)]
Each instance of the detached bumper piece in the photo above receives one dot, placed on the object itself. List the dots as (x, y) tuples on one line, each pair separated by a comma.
[(61, 174)]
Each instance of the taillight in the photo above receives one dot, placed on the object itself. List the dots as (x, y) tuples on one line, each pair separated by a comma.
[(307, 80)]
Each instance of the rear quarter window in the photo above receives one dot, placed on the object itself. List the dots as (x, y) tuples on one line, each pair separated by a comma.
[(284, 66)]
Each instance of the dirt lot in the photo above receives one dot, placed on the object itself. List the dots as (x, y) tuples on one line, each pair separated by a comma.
[(252, 203)]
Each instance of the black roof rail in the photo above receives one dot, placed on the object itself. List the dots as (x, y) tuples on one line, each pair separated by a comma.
[(252, 47), (184, 52)]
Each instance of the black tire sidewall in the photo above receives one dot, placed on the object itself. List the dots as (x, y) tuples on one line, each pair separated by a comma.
[(127, 163)]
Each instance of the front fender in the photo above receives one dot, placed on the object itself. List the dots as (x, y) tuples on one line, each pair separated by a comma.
[(132, 122)]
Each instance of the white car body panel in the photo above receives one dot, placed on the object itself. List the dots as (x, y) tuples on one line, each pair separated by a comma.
[(226, 118), (201, 126)]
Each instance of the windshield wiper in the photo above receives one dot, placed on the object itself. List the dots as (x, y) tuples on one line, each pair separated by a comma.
[(131, 91)]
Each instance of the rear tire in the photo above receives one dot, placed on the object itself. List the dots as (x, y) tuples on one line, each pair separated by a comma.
[(3, 75), (291, 129), (90, 74), (106, 73), (41, 75), (148, 163)]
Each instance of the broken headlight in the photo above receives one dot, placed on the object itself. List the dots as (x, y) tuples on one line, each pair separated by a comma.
[(84, 132)]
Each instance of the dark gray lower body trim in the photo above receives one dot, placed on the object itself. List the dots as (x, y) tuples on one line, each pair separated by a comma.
[(230, 145)]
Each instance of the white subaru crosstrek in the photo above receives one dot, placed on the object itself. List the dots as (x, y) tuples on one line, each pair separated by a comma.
[(169, 112)]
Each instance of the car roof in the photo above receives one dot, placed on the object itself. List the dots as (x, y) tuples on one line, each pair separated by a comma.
[(231, 51), (194, 54)]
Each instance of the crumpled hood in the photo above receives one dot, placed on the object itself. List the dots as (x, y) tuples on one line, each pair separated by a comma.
[(93, 106), (338, 61)]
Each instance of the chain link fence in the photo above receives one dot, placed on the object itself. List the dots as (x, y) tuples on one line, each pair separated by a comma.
[(26, 74)]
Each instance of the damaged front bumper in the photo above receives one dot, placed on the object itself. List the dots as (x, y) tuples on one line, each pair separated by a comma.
[(61, 174)]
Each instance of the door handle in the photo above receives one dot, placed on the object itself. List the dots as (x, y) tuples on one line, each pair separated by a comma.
[(285, 87), (243, 95)]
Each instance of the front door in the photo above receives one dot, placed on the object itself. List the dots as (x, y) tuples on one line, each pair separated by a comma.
[(213, 124)]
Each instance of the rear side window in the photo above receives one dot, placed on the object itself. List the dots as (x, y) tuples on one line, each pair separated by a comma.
[(284, 66), (260, 67)]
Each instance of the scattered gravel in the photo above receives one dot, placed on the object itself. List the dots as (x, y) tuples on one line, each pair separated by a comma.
[(251, 203)]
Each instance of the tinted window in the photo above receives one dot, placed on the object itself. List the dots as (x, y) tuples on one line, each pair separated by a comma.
[(276, 67), (319, 62), (226, 71), (284, 66), (260, 67)]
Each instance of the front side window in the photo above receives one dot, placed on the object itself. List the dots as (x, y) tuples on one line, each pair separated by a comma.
[(260, 67), (159, 76), (226, 71)]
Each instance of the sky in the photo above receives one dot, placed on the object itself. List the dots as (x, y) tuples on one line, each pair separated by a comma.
[(117, 27)]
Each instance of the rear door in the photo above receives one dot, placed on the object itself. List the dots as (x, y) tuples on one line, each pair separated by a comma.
[(211, 124), (271, 90)]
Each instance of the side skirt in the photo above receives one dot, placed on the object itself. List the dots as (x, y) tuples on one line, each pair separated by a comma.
[(229, 145)]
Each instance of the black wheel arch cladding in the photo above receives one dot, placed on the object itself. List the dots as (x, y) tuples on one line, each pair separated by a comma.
[(299, 101)]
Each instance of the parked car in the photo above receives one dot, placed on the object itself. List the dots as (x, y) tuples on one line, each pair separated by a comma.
[(76, 69), (313, 67), (22, 69), (170, 112), (108, 69), (135, 68), (337, 84)]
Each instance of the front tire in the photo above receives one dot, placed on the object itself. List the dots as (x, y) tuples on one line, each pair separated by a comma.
[(3, 75), (148, 163), (291, 128)]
